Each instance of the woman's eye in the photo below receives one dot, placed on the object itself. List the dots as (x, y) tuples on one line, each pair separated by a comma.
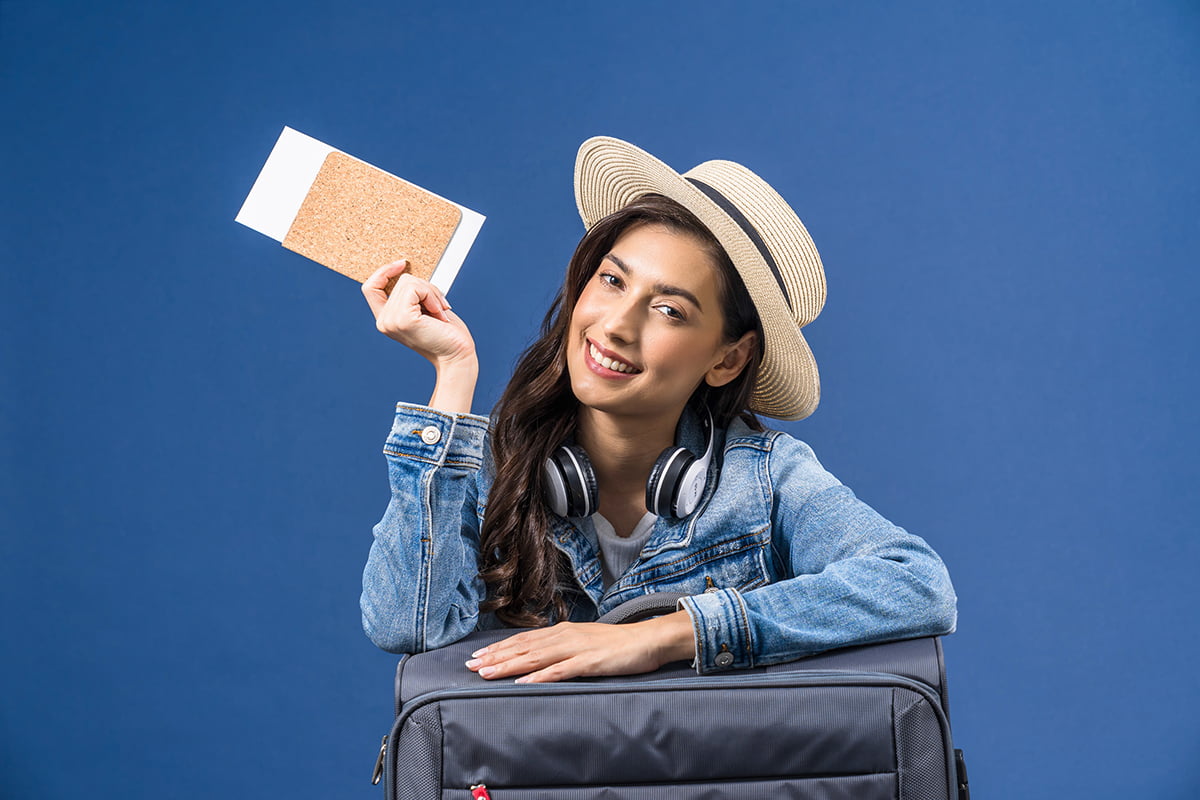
[(672, 312), (610, 279)]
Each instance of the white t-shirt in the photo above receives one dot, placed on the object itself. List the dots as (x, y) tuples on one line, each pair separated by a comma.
[(617, 553)]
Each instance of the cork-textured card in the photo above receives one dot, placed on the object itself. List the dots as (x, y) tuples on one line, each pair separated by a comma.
[(356, 218), (353, 217)]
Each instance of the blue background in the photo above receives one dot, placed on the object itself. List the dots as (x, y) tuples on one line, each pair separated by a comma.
[(1005, 196)]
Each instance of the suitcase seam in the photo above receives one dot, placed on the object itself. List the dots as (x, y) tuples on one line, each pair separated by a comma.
[(694, 782), (896, 746)]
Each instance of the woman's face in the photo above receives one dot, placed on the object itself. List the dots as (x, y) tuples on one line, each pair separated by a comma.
[(648, 327)]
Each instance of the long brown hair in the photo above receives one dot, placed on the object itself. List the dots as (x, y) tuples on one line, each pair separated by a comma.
[(527, 576)]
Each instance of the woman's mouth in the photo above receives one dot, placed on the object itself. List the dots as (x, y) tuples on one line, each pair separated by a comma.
[(607, 366)]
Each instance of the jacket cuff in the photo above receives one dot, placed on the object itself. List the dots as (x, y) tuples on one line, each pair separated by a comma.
[(722, 631), (435, 437)]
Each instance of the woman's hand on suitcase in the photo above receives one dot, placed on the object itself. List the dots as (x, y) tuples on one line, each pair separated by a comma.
[(585, 649)]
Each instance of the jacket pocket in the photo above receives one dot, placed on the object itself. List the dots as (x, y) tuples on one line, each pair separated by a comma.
[(735, 562)]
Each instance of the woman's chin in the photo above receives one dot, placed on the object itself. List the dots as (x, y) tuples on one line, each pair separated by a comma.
[(600, 398), (601, 395), (608, 400)]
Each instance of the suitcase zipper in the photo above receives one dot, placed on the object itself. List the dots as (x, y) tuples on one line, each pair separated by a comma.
[(378, 773), (480, 792), (960, 767)]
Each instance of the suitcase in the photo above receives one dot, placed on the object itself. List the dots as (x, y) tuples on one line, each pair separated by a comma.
[(856, 724)]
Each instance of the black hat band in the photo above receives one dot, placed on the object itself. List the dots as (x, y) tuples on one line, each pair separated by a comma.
[(737, 216)]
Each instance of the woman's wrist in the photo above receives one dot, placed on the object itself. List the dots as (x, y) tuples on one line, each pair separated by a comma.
[(674, 637), (455, 389)]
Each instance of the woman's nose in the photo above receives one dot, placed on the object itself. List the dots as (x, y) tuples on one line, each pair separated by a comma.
[(620, 322)]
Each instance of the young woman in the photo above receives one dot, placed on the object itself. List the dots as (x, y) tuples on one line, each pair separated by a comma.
[(625, 456)]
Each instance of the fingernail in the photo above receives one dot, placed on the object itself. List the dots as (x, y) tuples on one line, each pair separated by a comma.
[(522, 679), (473, 663), (487, 672), (479, 652)]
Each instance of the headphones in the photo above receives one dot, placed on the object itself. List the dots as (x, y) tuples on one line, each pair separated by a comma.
[(676, 481)]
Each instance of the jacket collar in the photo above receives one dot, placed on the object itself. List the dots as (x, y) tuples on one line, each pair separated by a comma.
[(577, 536)]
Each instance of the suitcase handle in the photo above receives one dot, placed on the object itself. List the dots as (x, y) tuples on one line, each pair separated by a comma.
[(640, 608)]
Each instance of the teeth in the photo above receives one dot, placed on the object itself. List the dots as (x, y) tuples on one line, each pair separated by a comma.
[(609, 363)]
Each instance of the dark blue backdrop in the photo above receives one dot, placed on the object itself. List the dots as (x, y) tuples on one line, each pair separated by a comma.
[(1006, 199)]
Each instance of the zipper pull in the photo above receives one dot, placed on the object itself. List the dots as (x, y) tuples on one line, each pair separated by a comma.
[(378, 773), (480, 792)]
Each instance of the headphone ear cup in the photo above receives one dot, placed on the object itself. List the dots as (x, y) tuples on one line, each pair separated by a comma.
[(666, 478), (570, 482), (691, 487), (554, 486)]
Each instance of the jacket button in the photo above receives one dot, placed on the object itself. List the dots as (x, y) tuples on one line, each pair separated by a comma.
[(723, 659), (431, 435)]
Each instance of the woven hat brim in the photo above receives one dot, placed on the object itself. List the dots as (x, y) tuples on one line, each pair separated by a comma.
[(611, 173)]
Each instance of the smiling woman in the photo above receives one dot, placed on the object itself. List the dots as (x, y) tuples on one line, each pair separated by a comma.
[(679, 320)]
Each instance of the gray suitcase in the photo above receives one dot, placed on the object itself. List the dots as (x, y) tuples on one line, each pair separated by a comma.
[(855, 724)]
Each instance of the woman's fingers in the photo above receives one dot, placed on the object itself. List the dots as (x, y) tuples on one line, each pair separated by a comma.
[(404, 306), (518, 654), (427, 296), (524, 643), (434, 303), (375, 289), (421, 293), (442, 296), (561, 671), (411, 298)]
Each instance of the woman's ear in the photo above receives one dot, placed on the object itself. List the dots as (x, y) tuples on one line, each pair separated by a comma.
[(736, 357)]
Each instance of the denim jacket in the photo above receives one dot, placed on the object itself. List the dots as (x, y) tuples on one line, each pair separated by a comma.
[(779, 560)]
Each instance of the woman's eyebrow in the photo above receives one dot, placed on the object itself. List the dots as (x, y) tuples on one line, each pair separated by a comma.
[(659, 288)]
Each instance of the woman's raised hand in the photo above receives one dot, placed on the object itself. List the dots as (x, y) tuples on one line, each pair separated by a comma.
[(417, 315)]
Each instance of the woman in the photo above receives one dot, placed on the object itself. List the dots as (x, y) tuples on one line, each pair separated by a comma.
[(625, 456)]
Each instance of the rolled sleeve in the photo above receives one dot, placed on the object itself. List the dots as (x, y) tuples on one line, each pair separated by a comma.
[(435, 437), (722, 631)]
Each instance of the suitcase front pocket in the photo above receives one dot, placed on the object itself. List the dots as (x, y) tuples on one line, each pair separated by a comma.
[(680, 739)]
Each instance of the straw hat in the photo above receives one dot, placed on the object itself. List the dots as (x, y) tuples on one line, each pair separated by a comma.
[(764, 238)]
